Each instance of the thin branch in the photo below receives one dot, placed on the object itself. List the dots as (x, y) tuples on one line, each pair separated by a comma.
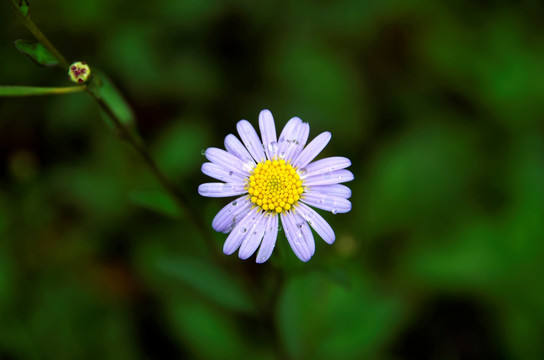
[(39, 35), (8, 91)]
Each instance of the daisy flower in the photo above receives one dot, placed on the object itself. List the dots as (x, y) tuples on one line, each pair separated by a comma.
[(277, 180)]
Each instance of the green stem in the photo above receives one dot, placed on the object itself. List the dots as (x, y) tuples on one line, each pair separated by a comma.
[(39, 35), (128, 136), (137, 144), (6, 91)]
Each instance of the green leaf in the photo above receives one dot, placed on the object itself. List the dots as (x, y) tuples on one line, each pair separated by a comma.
[(157, 201), (36, 91), (207, 280), (24, 7), (37, 52), (104, 89)]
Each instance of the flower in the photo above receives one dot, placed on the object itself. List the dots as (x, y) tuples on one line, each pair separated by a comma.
[(277, 180), (79, 72)]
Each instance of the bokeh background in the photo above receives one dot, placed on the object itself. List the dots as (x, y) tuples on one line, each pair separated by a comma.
[(437, 103)]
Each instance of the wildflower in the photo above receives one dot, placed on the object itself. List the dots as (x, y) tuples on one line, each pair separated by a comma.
[(277, 180)]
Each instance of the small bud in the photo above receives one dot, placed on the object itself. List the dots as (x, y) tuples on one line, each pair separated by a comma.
[(79, 72)]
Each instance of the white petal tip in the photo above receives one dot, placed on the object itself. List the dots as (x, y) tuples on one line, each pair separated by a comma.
[(228, 251)]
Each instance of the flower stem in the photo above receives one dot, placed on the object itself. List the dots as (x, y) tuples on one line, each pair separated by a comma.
[(130, 137), (138, 145), (31, 26), (37, 91)]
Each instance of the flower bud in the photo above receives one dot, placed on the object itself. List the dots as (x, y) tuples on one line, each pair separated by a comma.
[(79, 72)]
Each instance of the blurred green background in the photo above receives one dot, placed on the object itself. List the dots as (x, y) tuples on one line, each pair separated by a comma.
[(438, 105)]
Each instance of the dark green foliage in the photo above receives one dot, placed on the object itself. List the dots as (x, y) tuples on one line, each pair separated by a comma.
[(437, 104), (37, 52)]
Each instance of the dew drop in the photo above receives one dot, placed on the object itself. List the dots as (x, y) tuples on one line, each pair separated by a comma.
[(203, 152), (334, 211), (273, 146), (234, 203), (302, 172), (231, 226), (248, 165), (243, 230), (231, 173)]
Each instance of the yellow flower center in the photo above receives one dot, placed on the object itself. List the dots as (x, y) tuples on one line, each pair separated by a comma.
[(274, 185)]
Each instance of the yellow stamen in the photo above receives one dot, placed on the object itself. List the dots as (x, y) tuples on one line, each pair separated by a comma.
[(274, 186)]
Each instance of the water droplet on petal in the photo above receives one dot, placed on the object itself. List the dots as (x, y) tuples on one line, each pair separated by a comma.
[(248, 165), (334, 211), (243, 230), (231, 173), (273, 146), (282, 155), (234, 203), (302, 172)]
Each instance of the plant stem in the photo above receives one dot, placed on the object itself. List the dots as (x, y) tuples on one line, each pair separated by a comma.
[(137, 144), (19, 91), (129, 137), (39, 35)]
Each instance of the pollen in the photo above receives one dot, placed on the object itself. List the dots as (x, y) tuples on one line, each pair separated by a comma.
[(274, 186)]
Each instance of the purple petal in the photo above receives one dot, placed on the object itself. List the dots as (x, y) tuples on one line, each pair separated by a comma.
[(251, 140), (297, 141), (221, 189), (312, 149), (220, 173), (326, 165), (253, 239), (287, 133), (333, 177), (299, 235), (269, 240), (326, 202), (236, 148), (228, 161), (335, 189), (320, 225), (227, 218), (268, 133), (238, 234)]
